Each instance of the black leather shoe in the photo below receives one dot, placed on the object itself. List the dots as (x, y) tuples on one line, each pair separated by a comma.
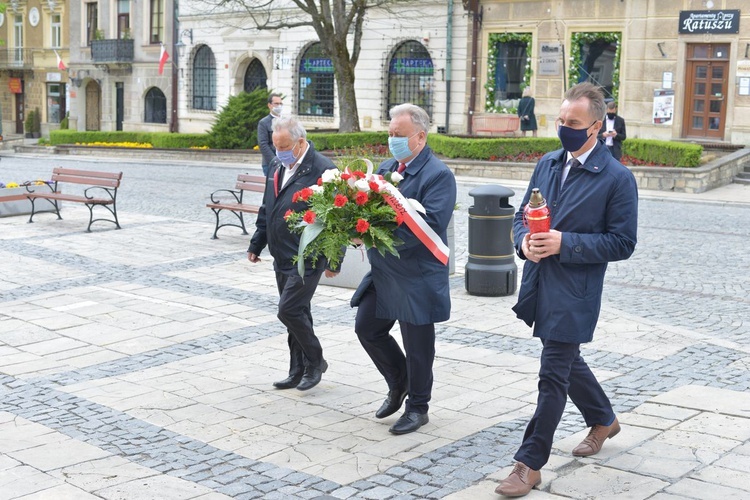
[(312, 376), (290, 382), (392, 402), (409, 422)]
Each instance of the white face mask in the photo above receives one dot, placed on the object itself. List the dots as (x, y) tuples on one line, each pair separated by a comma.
[(277, 110)]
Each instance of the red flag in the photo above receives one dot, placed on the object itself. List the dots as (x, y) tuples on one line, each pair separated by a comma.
[(163, 59), (60, 64)]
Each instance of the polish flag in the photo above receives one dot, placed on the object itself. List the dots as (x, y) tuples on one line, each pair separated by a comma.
[(163, 59), (60, 64)]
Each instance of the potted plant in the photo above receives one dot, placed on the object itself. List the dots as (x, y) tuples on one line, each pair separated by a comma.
[(28, 124), (36, 124)]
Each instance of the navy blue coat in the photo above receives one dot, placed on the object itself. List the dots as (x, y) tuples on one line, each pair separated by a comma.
[(414, 287), (597, 212), (271, 228)]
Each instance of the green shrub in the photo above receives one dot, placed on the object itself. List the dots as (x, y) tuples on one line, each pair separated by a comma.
[(36, 124), (165, 140), (490, 148), (73, 137), (236, 127), (673, 154), (64, 124), (28, 124), (325, 142)]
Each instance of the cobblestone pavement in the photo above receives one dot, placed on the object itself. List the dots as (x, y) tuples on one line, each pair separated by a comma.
[(138, 363)]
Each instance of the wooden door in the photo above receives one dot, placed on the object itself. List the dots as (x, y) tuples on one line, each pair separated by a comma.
[(705, 91), (20, 113), (93, 106)]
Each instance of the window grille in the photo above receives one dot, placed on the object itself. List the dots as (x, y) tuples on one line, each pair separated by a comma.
[(156, 106), (204, 79), (510, 70), (411, 77), (255, 76), (315, 93)]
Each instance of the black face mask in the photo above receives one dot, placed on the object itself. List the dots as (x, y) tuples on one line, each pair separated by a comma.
[(611, 116)]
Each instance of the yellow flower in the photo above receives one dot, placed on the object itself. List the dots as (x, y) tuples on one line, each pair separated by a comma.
[(12, 185)]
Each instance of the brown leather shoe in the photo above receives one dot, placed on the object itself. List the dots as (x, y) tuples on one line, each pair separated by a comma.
[(594, 441), (520, 482)]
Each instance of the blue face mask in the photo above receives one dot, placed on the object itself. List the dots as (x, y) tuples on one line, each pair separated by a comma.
[(573, 139), (399, 147), (287, 157)]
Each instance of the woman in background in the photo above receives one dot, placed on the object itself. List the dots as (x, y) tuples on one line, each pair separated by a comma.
[(526, 112)]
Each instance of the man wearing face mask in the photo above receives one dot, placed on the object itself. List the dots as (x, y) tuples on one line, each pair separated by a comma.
[(265, 142), (613, 131), (594, 207), (297, 165), (412, 288)]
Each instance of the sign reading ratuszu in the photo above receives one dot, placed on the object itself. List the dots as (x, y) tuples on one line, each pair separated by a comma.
[(694, 22)]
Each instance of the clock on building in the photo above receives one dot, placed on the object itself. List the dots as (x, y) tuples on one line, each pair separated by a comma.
[(34, 16)]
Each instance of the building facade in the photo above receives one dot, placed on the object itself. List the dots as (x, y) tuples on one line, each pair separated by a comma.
[(35, 40), (680, 70)]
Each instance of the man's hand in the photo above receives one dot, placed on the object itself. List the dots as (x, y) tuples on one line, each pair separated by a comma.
[(252, 257), (540, 245)]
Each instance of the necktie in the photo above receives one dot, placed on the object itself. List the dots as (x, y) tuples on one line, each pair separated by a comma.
[(572, 163), (401, 168)]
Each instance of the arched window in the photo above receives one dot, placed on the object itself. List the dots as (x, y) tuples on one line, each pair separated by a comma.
[(156, 106), (410, 76), (204, 79), (255, 76), (315, 83)]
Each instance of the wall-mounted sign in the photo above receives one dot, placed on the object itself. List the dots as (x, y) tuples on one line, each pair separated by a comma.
[(693, 22), (34, 16), (316, 65), (411, 66), (744, 88), (550, 55), (743, 67), (15, 86), (663, 106), (54, 77)]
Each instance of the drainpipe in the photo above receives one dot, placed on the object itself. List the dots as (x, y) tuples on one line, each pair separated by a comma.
[(448, 65), (174, 124), (476, 20)]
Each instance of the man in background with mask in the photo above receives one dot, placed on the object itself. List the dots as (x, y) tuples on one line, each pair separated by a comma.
[(613, 131), (412, 288), (265, 142), (594, 208), (297, 165)]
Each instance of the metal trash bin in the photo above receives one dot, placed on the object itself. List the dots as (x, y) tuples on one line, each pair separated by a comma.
[(491, 269)]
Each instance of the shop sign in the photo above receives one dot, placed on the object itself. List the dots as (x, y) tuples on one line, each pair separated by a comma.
[(54, 77), (663, 106), (694, 22), (549, 59), (743, 67), (15, 86)]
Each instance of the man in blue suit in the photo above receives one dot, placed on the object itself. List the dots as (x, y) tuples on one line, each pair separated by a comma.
[(265, 132), (594, 206), (412, 288)]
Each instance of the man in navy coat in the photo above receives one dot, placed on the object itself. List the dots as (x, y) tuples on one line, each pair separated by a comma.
[(265, 132), (594, 206), (412, 288)]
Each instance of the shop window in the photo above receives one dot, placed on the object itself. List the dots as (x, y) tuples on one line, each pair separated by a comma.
[(411, 76), (315, 93), (156, 32), (596, 59), (156, 106), (255, 76), (510, 70), (55, 102), (204, 79)]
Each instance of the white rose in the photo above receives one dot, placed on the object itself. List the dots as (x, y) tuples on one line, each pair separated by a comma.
[(362, 185), (330, 175), (396, 177), (317, 189)]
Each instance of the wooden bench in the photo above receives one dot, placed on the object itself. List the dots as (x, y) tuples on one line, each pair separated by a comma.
[(234, 201), (495, 123), (103, 185)]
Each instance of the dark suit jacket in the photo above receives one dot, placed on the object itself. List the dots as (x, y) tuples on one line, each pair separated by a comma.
[(271, 228), (414, 286), (264, 139), (616, 140)]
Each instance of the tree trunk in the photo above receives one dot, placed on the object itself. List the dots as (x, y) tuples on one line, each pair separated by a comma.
[(348, 114)]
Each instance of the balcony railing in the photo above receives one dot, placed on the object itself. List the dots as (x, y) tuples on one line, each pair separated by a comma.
[(16, 59), (112, 51)]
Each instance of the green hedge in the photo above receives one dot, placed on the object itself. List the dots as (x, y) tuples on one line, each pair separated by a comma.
[(673, 154), (485, 149), (166, 140), (325, 142), (157, 139)]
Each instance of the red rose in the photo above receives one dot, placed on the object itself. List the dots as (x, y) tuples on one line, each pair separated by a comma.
[(287, 214), (346, 176), (305, 193), (361, 198), (362, 225), (320, 182), (374, 186), (358, 174), (309, 217), (295, 197), (340, 200)]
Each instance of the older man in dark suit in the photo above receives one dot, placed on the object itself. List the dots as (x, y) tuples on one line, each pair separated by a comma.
[(412, 288), (265, 132), (297, 165)]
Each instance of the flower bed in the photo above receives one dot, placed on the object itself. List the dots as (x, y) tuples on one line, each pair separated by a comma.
[(13, 200)]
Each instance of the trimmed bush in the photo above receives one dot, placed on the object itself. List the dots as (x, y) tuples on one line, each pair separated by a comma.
[(350, 140), (668, 153), (236, 127), (165, 140), (490, 148)]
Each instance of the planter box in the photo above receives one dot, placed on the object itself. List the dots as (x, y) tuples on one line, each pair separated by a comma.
[(13, 201), (356, 264)]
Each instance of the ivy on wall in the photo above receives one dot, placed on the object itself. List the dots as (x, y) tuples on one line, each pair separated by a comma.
[(578, 40), (496, 38)]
